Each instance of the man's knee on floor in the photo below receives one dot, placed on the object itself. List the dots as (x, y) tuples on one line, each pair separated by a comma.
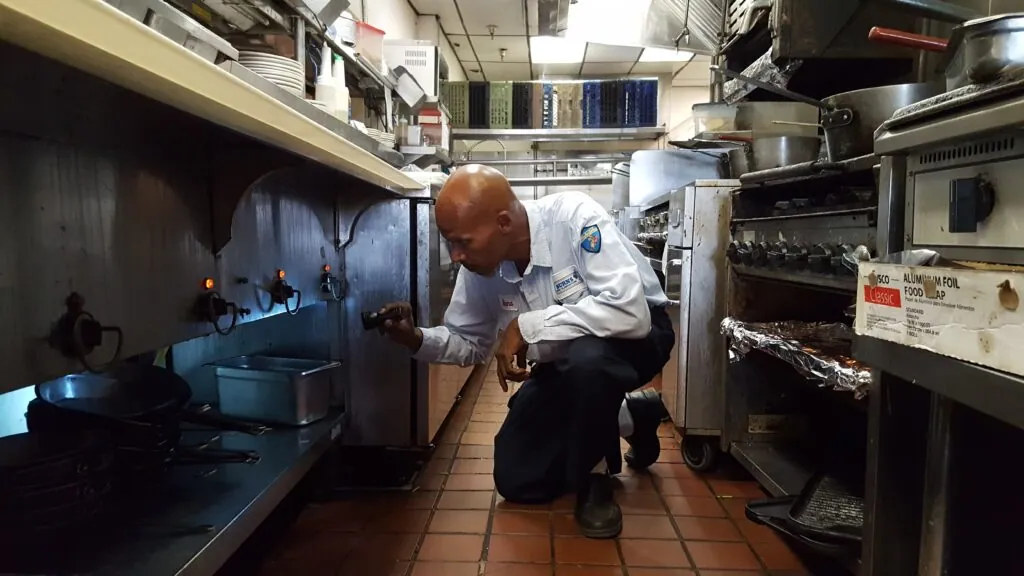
[(517, 485)]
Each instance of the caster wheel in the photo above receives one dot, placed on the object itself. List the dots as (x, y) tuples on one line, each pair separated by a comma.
[(700, 454)]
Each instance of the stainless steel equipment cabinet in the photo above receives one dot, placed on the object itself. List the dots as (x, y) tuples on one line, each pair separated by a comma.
[(696, 277), (950, 182), (397, 255)]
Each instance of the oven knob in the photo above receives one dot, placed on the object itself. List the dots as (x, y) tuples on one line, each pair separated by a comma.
[(746, 253), (837, 258), (796, 256), (777, 254), (970, 201), (819, 258), (733, 252), (759, 253)]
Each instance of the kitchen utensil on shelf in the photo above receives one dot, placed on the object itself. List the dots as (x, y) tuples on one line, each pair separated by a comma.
[(287, 391), (134, 392), (757, 154), (284, 72), (978, 51), (849, 119)]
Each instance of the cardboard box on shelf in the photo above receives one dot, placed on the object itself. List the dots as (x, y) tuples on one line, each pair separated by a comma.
[(972, 313)]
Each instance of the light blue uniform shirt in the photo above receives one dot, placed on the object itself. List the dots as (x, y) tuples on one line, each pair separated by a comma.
[(585, 278)]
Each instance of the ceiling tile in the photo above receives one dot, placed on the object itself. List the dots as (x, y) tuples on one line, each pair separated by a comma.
[(545, 70), (696, 73), (602, 68), (655, 67), (531, 16), (488, 50), (506, 15), (605, 53), (460, 44), (473, 72), (505, 71), (445, 11)]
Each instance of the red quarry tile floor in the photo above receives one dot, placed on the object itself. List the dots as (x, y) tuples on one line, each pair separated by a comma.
[(676, 523)]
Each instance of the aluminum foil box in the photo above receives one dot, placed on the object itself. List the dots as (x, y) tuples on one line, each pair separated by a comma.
[(972, 313)]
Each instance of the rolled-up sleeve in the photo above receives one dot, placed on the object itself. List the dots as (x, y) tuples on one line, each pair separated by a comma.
[(615, 307), (469, 329)]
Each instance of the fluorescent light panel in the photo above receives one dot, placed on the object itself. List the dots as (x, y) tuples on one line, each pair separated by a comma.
[(555, 50), (613, 22), (665, 55)]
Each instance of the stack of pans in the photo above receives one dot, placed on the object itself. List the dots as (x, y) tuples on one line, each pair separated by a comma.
[(141, 409), (50, 487)]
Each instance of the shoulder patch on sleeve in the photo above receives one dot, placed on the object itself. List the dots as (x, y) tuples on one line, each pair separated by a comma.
[(590, 239)]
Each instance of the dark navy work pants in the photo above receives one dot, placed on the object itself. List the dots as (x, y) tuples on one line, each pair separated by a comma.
[(564, 419)]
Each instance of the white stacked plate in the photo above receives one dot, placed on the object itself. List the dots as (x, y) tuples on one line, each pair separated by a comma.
[(284, 72)]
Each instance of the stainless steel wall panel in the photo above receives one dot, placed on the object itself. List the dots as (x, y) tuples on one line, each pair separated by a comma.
[(378, 270), (286, 221), (92, 202)]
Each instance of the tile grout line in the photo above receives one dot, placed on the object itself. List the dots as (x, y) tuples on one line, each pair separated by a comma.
[(437, 500), (672, 520)]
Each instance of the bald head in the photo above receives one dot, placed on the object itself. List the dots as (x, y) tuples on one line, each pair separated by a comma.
[(480, 216), (473, 191)]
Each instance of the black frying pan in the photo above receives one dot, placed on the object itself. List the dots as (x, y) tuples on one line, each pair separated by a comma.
[(134, 392)]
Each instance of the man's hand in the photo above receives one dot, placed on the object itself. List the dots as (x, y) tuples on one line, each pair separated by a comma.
[(511, 356), (402, 330)]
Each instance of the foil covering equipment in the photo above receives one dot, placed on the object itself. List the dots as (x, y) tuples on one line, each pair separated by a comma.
[(817, 350)]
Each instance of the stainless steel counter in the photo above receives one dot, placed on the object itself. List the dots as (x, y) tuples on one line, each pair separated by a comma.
[(159, 531)]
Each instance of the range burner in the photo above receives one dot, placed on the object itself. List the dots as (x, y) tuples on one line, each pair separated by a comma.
[(958, 100)]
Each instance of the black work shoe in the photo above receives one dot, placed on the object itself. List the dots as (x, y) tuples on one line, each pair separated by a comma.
[(597, 514), (647, 410)]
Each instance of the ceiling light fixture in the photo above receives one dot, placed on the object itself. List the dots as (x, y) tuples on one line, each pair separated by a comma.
[(665, 55), (611, 22), (555, 50)]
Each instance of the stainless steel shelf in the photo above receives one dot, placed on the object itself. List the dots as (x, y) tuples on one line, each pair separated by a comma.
[(778, 469), (997, 394), (549, 134), (315, 114), (158, 530), (561, 181), (424, 156), (543, 161)]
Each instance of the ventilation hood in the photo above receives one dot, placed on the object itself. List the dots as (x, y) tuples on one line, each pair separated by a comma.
[(691, 25)]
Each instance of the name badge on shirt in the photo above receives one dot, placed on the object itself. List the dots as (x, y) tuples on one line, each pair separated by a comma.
[(567, 283), (508, 303)]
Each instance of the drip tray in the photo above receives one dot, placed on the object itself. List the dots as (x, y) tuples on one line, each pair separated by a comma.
[(826, 517), (829, 508)]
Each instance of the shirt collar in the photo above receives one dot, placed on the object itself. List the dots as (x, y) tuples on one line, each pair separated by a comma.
[(540, 248)]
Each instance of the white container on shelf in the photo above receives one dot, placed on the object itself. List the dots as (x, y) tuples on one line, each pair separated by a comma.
[(325, 89), (341, 97)]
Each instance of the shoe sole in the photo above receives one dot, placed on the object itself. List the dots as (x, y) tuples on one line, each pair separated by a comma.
[(606, 534), (649, 429)]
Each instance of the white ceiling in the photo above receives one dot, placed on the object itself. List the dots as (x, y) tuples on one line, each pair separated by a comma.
[(467, 23)]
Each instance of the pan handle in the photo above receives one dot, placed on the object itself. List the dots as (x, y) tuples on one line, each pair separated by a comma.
[(907, 39), (768, 87), (205, 418)]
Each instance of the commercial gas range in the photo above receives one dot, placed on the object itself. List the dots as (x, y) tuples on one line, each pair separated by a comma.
[(950, 169)]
